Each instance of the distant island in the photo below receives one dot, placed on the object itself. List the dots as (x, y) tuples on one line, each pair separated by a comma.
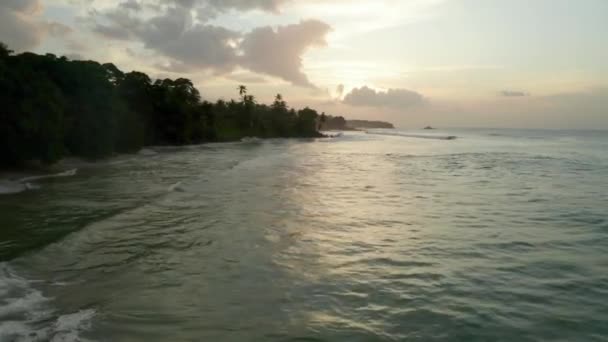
[(429, 127), (53, 107), (339, 123)]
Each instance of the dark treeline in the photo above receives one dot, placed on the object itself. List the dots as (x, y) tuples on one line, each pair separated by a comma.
[(51, 107), (339, 123), (369, 124)]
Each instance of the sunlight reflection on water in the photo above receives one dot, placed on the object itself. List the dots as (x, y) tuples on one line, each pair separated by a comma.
[(358, 238)]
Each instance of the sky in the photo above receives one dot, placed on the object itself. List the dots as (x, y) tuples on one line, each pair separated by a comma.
[(445, 63)]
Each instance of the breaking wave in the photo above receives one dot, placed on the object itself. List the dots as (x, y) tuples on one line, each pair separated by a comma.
[(27, 315), (67, 173), (8, 187)]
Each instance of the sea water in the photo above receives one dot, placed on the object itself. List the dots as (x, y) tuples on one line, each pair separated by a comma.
[(490, 235)]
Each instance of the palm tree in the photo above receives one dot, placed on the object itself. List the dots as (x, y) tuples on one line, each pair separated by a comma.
[(242, 91), (279, 104)]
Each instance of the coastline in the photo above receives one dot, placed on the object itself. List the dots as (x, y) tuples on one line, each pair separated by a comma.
[(16, 180)]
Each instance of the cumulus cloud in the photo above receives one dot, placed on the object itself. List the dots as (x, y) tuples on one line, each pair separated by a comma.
[(190, 43), (279, 52), (392, 98), (513, 93), (207, 9)]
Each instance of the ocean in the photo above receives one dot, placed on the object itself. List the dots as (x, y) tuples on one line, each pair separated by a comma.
[(389, 235)]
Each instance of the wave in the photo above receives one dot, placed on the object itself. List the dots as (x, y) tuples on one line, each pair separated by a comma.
[(67, 173), (419, 136), (10, 187), (27, 315), (177, 187)]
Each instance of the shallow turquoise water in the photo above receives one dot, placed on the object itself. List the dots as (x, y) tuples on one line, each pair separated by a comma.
[(499, 235)]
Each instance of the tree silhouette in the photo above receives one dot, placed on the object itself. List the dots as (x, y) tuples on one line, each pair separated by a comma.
[(279, 104), (53, 107), (4, 50), (242, 91)]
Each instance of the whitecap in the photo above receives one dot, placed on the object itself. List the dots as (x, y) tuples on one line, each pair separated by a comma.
[(27, 315), (67, 173), (175, 187), (10, 187), (68, 327)]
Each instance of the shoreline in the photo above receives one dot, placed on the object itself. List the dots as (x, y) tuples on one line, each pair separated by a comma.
[(16, 180)]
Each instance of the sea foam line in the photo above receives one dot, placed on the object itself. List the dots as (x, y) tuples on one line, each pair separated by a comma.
[(419, 136), (8, 187)]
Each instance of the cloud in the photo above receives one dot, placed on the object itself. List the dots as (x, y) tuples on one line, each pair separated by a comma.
[(340, 90), (513, 93), (392, 98), (22, 6), (58, 29), (190, 44), (19, 27), (112, 32), (206, 9), (133, 5), (279, 52), (267, 5), (75, 56), (246, 78)]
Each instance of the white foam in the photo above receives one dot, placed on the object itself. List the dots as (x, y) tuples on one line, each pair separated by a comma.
[(67, 327), (67, 173), (15, 331), (176, 187), (418, 136), (20, 306), (27, 315), (9, 187)]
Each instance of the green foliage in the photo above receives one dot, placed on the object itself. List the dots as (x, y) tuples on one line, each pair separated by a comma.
[(31, 116), (51, 107)]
